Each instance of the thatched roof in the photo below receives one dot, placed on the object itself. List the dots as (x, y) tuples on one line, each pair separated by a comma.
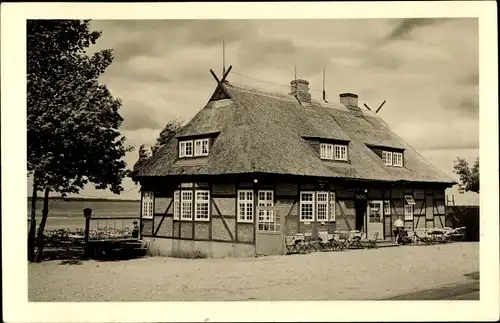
[(262, 132)]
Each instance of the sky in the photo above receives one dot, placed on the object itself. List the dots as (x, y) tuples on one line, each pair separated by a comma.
[(426, 69)]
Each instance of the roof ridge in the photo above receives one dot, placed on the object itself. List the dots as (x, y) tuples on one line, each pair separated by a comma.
[(261, 91)]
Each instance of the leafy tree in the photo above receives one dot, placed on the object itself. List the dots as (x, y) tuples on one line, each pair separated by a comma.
[(169, 131), (469, 176), (171, 128), (72, 120), (144, 155)]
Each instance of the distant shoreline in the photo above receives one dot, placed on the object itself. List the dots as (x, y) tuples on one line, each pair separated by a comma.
[(70, 199)]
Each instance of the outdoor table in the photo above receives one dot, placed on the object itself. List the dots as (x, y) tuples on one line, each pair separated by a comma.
[(335, 242), (324, 241), (344, 239), (309, 242), (356, 240), (299, 243)]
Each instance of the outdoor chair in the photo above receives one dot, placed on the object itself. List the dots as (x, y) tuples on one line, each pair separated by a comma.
[(324, 242), (355, 240), (435, 235), (343, 239), (421, 236), (300, 242), (310, 242), (291, 245), (372, 240), (336, 243)]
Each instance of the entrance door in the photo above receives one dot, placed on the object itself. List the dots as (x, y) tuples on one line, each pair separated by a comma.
[(375, 221), (360, 206)]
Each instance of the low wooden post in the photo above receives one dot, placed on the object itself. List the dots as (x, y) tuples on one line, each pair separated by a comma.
[(87, 213), (283, 230)]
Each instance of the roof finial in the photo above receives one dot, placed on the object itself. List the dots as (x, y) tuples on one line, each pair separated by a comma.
[(324, 93), (380, 107), (223, 58)]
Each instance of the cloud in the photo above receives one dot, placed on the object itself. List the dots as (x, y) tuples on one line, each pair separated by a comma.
[(434, 134), (462, 103), (134, 120), (404, 27), (471, 79), (161, 68)]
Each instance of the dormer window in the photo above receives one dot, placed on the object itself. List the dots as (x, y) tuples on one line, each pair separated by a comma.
[(397, 159), (340, 152), (326, 151), (194, 148), (186, 148), (390, 158), (201, 147), (387, 158), (333, 152)]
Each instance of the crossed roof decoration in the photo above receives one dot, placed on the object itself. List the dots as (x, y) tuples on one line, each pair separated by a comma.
[(220, 83)]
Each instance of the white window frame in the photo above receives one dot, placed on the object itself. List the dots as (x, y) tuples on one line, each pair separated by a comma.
[(198, 201), (199, 144), (318, 203), (397, 159), (322, 151), (303, 202), (326, 151), (186, 200), (177, 205), (332, 207), (247, 203), (408, 208), (267, 216), (183, 148), (342, 149), (147, 204), (266, 220), (387, 158), (409, 200), (387, 207)]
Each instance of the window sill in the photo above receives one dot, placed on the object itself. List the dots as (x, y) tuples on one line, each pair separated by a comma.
[(335, 160), (245, 221), (193, 157)]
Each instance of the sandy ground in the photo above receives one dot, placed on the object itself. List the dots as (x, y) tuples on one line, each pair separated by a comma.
[(348, 275)]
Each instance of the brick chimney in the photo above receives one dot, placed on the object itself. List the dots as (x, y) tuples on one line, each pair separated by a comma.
[(349, 99), (300, 88)]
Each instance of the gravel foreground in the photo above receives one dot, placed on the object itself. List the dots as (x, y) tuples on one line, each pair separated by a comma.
[(347, 275)]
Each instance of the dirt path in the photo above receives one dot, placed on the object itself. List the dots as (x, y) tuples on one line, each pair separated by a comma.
[(349, 275)]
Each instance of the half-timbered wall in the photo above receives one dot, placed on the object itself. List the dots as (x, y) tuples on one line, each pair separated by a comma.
[(428, 211)]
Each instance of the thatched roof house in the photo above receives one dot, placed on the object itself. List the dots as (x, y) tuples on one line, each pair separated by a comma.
[(248, 140), (265, 132)]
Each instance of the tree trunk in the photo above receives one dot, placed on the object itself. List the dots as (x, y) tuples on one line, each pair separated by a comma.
[(40, 238), (31, 234)]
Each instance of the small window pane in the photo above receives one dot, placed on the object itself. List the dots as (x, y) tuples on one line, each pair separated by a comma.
[(387, 158), (340, 152)]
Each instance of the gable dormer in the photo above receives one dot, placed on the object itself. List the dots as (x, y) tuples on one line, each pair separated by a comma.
[(195, 146), (329, 149), (390, 156)]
